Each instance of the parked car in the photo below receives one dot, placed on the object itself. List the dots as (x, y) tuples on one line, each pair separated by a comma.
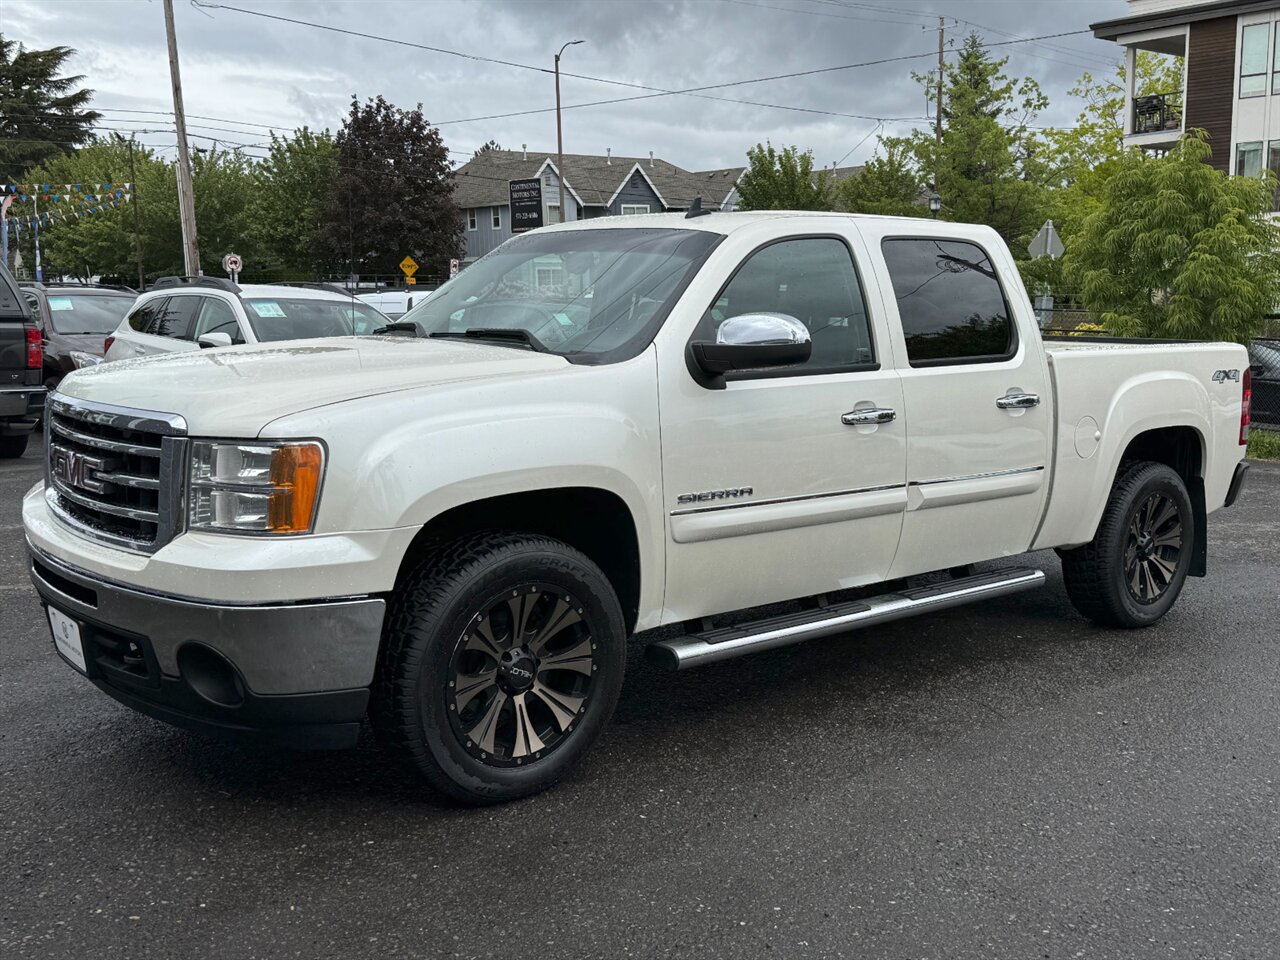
[(458, 531), (1264, 362), (180, 314), (395, 303), (74, 319), (21, 363)]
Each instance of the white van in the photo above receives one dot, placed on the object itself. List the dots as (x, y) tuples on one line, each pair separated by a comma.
[(394, 303)]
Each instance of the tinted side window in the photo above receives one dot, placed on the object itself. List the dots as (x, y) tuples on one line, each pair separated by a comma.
[(144, 315), (950, 301), (216, 316), (176, 319), (812, 280)]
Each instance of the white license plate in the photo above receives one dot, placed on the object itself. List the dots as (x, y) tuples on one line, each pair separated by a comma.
[(66, 637)]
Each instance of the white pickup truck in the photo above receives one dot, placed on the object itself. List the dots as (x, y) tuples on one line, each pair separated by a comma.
[(801, 423)]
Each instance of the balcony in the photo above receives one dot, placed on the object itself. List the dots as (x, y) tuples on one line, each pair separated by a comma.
[(1158, 113)]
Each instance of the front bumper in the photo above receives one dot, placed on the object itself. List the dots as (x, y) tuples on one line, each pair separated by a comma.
[(294, 673)]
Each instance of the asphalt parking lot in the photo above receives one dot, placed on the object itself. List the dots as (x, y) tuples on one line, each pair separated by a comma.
[(1002, 781)]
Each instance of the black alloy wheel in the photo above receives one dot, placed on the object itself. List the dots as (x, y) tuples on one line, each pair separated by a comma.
[(521, 674), (1153, 548)]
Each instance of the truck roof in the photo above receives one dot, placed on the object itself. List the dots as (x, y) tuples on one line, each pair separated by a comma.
[(726, 223)]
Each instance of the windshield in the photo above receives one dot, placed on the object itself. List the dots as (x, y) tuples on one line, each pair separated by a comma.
[(87, 312), (286, 318), (584, 293)]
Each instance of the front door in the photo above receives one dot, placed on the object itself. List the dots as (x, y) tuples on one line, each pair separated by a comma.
[(783, 484)]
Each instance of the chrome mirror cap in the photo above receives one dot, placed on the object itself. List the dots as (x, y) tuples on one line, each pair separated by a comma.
[(751, 329)]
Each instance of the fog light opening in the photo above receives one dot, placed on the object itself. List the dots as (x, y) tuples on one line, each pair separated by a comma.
[(210, 675)]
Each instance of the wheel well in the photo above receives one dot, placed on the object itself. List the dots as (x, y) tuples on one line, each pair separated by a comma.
[(1181, 449), (594, 521)]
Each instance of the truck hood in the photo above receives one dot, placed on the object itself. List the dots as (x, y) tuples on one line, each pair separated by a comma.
[(236, 391)]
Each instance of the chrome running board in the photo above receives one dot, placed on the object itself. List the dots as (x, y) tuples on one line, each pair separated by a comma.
[(724, 643)]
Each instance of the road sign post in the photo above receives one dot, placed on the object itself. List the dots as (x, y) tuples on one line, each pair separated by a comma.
[(409, 266), (232, 264), (1047, 243), (453, 268)]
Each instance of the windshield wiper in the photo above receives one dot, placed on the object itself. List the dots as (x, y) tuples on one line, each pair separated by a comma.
[(399, 326), (501, 334)]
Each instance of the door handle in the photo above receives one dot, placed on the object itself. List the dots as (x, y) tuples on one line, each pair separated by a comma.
[(1018, 401), (870, 416)]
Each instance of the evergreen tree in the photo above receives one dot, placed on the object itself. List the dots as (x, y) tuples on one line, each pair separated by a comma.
[(42, 115)]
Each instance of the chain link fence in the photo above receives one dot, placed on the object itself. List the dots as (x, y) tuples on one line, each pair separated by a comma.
[(1264, 360)]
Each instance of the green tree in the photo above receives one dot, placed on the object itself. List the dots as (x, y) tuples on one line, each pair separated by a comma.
[(392, 196), (1098, 133), (1179, 249), (42, 115), (889, 184), (292, 187), (990, 166), (783, 180)]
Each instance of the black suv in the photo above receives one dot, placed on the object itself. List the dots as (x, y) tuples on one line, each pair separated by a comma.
[(21, 369)]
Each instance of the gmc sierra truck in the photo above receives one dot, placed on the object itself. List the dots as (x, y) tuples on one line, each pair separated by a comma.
[(751, 429)]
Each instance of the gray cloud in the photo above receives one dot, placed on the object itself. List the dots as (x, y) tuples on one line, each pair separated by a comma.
[(256, 71)]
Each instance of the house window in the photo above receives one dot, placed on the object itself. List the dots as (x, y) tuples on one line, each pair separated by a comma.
[(630, 209), (497, 218), (548, 181), (1253, 59), (553, 213), (548, 277), (471, 219), (1249, 159), (1275, 64)]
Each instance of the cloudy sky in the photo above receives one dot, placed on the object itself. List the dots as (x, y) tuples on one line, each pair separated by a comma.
[(244, 74)]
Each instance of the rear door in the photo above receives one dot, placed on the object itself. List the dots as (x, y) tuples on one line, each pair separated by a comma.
[(165, 327), (976, 391)]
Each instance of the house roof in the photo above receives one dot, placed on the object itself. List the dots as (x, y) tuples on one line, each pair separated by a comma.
[(1177, 16), (482, 181)]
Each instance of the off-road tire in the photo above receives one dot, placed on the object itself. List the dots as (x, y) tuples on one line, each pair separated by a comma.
[(11, 447), (1095, 574), (429, 618)]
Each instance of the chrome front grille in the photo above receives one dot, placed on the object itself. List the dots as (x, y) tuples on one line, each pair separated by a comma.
[(115, 474)]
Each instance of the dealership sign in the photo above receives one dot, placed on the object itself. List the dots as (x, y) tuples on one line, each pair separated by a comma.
[(526, 204)]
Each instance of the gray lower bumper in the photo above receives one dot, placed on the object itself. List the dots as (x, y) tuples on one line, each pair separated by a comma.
[(276, 650)]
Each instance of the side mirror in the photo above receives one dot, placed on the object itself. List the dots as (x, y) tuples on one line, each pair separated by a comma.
[(752, 341), (214, 340)]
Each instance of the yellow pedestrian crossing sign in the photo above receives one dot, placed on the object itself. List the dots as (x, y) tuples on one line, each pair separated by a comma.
[(409, 266)]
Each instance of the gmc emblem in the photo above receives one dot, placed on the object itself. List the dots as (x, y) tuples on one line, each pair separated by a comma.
[(77, 470)]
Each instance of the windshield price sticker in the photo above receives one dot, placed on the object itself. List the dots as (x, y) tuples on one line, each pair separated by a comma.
[(57, 304), (267, 308)]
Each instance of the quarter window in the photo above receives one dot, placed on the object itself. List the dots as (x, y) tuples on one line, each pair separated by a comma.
[(1253, 59), (950, 302), (813, 280)]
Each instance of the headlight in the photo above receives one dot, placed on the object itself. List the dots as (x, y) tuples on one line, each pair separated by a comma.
[(254, 487)]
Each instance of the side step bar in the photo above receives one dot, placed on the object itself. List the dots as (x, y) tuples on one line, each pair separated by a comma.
[(724, 643)]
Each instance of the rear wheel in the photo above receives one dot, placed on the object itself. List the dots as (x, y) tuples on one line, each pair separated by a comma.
[(1132, 572), (502, 662), (13, 446)]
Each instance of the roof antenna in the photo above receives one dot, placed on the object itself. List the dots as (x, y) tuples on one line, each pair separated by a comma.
[(695, 209)]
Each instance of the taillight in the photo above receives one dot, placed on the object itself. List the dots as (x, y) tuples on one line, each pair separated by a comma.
[(35, 349), (1246, 401), (106, 345)]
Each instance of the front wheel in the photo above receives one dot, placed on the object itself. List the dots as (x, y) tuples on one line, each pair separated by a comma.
[(502, 661), (1133, 570)]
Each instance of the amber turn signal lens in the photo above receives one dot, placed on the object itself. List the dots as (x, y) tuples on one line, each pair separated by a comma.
[(295, 474)]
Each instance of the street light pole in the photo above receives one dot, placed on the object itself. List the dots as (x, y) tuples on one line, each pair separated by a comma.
[(560, 131)]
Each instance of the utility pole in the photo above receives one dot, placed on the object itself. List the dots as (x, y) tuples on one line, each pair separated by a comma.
[(186, 194), (937, 125), (560, 132), (137, 218)]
